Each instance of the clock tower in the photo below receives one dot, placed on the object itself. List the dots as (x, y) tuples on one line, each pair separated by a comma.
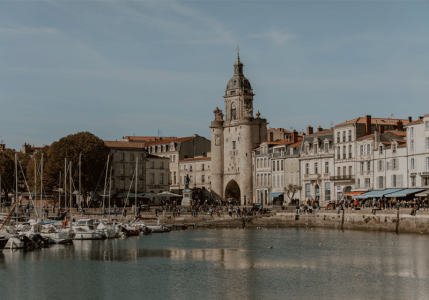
[(233, 139)]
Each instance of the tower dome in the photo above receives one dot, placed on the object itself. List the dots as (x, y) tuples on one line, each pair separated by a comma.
[(238, 81)]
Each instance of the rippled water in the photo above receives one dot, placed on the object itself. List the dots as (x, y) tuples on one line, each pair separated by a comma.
[(225, 264)]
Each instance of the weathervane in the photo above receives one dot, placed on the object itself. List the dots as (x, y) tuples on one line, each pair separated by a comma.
[(238, 50)]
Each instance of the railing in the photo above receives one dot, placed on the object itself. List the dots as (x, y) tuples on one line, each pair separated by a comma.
[(343, 177)]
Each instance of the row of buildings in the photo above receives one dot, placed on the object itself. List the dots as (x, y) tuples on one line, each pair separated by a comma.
[(247, 161)]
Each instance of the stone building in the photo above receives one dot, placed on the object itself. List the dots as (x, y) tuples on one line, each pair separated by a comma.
[(233, 139), (176, 149), (152, 174), (418, 152), (199, 171), (354, 141), (317, 163), (261, 161)]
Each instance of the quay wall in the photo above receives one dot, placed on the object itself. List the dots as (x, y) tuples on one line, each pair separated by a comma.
[(386, 220)]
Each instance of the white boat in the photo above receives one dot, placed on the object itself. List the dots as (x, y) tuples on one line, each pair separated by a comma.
[(57, 236), (85, 230), (109, 231)]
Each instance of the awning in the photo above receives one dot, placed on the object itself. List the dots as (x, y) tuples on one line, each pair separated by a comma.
[(275, 194), (423, 194), (404, 193), (377, 194), (352, 194)]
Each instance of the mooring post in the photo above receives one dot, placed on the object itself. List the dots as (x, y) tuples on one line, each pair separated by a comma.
[(397, 221)]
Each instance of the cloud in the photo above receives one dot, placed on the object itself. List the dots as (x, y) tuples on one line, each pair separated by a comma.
[(28, 31), (276, 37)]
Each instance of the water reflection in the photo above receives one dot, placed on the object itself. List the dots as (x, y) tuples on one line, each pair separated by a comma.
[(221, 264)]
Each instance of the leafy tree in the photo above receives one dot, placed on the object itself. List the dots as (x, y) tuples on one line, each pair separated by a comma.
[(94, 157), (7, 171), (291, 190)]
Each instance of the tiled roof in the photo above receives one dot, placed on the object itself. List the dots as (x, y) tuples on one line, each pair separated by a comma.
[(142, 138), (296, 145), (195, 159), (168, 140), (416, 122), (114, 144), (279, 129), (270, 144), (378, 121), (370, 136), (321, 132), (397, 132)]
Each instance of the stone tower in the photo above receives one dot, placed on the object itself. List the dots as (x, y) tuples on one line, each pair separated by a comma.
[(233, 139)]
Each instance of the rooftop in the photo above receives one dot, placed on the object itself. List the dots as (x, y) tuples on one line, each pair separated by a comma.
[(195, 159), (378, 121)]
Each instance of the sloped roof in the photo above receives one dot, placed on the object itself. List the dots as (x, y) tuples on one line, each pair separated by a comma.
[(378, 121), (397, 132), (415, 122), (370, 136), (195, 159), (296, 145), (321, 132), (114, 144)]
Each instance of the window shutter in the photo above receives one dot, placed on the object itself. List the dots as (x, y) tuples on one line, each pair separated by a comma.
[(391, 181), (409, 164), (376, 183)]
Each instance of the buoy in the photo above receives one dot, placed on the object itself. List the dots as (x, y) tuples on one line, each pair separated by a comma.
[(270, 247), (369, 244)]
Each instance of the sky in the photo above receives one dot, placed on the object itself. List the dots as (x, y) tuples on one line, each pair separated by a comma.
[(117, 68)]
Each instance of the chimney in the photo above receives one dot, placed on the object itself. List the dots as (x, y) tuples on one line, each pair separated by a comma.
[(420, 118), (410, 119), (368, 124), (2, 147), (399, 126), (309, 130), (319, 129), (294, 136), (381, 130)]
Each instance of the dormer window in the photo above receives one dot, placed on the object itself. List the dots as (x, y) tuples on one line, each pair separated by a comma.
[(394, 147), (381, 149)]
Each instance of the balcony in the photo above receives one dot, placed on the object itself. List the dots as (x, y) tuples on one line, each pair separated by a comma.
[(312, 176), (343, 177)]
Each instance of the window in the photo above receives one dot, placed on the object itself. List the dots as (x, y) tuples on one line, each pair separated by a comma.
[(141, 169), (307, 191), (233, 145), (368, 149), (122, 169), (174, 158), (141, 157), (122, 155), (203, 179), (338, 137), (397, 180), (190, 168), (367, 183), (350, 135), (141, 182), (380, 182), (394, 147), (412, 132), (380, 165), (202, 167), (306, 150), (191, 179), (427, 142), (344, 136), (274, 166), (344, 152), (368, 166), (152, 165), (327, 191), (426, 124), (412, 146), (425, 181), (316, 171), (358, 183), (350, 170), (413, 181), (361, 166), (338, 153), (307, 169), (361, 150), (326, 167), (326, 148), (171, 158), (338, 171), (395, 164), (381, 149), (282, 164), (344, 171), (152, 178), (278, 165), (350, 151), (185, 167), (174, 178), (131, 156), (161, 165)]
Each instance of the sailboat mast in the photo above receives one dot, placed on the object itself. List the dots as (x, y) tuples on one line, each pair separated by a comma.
[(59, 192), (135, 194), (71, 194), (16, 187), (65, 184), (110, 187), (41, 186), (35, 182), (80, 189), (105, 180)]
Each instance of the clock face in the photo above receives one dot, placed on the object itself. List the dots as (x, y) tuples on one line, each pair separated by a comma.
[(233, 105)]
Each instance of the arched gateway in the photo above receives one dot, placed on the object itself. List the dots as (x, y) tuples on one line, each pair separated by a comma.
[(232, 190)]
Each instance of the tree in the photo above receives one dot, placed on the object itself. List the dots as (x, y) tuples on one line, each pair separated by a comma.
[(7, 171), (291, 190), (94, 157)]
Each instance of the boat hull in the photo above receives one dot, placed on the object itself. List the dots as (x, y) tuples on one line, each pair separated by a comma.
[(3, 242), (88, 236)]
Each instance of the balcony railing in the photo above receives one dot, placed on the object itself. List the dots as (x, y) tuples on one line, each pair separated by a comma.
[(343, 177)]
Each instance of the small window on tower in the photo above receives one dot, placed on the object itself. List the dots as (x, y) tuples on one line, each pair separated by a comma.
[(233, 145)]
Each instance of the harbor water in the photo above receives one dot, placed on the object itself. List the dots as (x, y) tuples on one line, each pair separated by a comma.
[(225, 264)]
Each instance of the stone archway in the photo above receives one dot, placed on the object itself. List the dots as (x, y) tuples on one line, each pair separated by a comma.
[(232, 190)]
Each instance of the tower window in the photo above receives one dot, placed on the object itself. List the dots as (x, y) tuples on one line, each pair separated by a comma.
[(233, 145)]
